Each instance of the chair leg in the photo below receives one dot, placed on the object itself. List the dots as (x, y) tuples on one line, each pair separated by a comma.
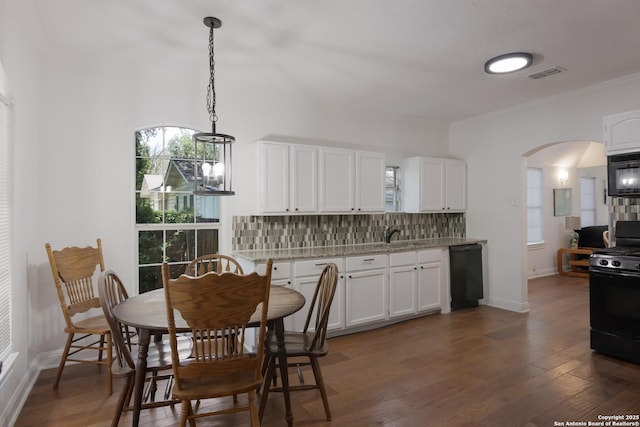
[(184, 412), (109, 362), (253, 409), (317, 373), (271, 370), (63, 359), (123, 400)]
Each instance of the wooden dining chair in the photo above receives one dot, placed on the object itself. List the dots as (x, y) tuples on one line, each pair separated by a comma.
[(112, 292), (73, 269), (218, 308), (310, 344), (213, 262)]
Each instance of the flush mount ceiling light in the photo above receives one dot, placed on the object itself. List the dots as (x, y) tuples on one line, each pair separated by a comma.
[(212, 164), (508, 63)]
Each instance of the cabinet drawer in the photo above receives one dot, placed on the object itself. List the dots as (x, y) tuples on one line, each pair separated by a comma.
[(403, 258), (430, 255), (313, 267), (367, 262), (281, 270)]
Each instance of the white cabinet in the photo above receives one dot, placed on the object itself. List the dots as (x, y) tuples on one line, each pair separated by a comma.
[(351, 181), (430, 279), (288, 178), (435, 185), (337, 186), (403, 283), (366, 289), (370, 177), (622, 132), (306, 274)]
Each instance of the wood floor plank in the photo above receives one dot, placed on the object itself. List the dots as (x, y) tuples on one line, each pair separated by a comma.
[(477, 367)]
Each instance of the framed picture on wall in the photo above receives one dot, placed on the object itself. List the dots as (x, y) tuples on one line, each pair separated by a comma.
[(561, 201)]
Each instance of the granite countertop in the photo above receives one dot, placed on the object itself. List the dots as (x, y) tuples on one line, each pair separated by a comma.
[(351, 250)]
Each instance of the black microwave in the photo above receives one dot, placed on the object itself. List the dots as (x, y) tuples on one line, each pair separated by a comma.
[(623, 175)]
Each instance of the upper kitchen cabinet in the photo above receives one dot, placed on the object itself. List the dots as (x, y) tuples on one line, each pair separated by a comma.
[(288, 178), (337, 186), (435, 185), (622, 133), (351, 181)]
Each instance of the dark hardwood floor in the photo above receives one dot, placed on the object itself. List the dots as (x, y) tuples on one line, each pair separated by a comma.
[(474, 367)]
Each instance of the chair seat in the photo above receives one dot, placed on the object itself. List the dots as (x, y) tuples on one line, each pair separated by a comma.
[(296, 343), (239, 382), (91, 325)]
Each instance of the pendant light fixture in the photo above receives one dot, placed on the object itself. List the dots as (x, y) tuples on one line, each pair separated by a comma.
[(212, 150)]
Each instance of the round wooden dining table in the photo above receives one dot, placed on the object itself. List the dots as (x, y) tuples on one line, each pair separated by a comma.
[(148, 314)]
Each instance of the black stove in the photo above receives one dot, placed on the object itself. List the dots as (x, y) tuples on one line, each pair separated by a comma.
[(614, 294)]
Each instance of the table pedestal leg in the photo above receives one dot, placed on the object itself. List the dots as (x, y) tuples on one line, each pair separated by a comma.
[(284, 371), (141, 368)]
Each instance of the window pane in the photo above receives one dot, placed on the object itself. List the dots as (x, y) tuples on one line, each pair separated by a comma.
[(150, 245), (149, 278), (207, 208), (180, 246), (207, 242)]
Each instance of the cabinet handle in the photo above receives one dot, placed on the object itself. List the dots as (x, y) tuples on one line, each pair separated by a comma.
[(359, 209), (369, 259), (275, 268), (320, 264), (415, 268), (296, 209), (286, 210), (352, 209)]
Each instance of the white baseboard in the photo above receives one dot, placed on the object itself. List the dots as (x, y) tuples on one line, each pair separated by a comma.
[(517, 306), (19, 396)]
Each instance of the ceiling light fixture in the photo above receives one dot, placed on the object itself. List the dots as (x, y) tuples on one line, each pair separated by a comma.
[(508, 63), (212, 165)]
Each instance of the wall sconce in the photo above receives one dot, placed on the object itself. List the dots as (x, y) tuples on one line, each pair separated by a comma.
[(563, 177)]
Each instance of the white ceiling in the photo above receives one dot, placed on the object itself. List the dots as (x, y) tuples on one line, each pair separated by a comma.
[(414, 58)]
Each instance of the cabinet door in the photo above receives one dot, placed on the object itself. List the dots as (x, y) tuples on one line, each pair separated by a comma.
[(337, 177), (303, 183), (307, 286), (429, 283), (366, 300), (456, 185), (369, 182), (403, 290), (274, 177), (622, 132), (432, 179)]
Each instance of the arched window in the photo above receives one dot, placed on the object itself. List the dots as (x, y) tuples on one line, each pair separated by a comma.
[(172, 223)]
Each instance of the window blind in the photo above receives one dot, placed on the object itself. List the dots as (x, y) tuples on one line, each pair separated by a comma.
[(6, 116)]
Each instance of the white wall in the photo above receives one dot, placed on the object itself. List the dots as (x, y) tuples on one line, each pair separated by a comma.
[(494, 145)]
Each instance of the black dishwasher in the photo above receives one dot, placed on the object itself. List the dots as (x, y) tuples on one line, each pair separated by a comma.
[(465, 265)]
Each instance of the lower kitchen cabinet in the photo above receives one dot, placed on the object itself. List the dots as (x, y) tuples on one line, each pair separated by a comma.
[(306, 274), (430, 280), (403, 284), (366, 289), (372, 289)]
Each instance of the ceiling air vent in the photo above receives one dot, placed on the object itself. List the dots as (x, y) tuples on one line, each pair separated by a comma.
[(548, 72)]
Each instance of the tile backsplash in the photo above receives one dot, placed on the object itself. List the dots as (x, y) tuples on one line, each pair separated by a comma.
[(280, 232)]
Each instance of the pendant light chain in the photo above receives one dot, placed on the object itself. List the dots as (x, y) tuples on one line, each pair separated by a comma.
[(211, 90)]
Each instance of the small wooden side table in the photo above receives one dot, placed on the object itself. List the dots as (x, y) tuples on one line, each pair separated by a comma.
[(579, 267)]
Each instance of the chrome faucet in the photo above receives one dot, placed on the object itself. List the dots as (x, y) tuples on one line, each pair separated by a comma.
[(390, 232)]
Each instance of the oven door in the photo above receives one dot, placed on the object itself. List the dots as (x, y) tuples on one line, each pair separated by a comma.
[(615, 302), (623, 175)]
